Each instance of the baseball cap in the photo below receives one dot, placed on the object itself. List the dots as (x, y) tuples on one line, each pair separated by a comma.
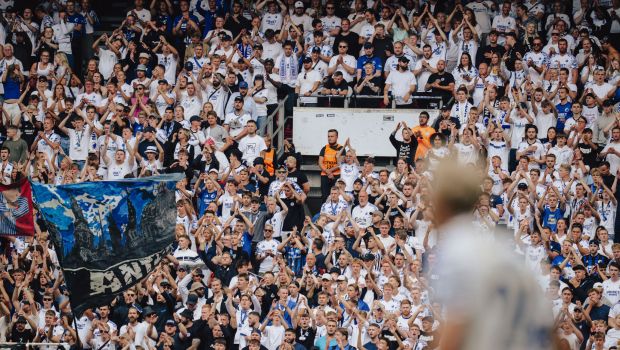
[(148, 311), (307, 60), (171, 323), (151, 149), (226, 38), (299, 4), (368, 45), (326, 276), (144, 55), (187, 313), (243, 85), (597, 285), (341, 278), (192, 299), (141, 67), (21, 319), (403, 58), (239, 98), (316, 49), (150, 129)]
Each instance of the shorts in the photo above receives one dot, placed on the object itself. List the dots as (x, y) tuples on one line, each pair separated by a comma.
[(13, 111)]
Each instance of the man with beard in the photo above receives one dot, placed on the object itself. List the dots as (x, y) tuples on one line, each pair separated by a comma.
[(19, 333), (441, 83), (216, 93), (424, 67), (402, 84), (185, 322), (564, 59), (290, 339), (235, 121), (121, 307)]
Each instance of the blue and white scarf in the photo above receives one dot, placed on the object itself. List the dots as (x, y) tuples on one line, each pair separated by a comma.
[(293, 68)]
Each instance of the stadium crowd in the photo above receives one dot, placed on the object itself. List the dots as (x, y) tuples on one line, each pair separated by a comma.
[(529, 95)]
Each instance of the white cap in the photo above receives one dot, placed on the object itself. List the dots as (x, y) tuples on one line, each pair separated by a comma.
[(327, 276), (598, 285), (299, 4)]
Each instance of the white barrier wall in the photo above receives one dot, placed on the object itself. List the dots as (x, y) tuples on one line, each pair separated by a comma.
[(368, 129)]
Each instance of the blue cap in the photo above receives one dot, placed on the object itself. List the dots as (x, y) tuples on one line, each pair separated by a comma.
[(243, 85)]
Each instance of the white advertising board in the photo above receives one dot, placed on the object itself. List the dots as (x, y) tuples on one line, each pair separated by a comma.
[(368, 129)]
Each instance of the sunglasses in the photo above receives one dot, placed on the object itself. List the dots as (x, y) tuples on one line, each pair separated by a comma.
[(330, 7), (47, 299), (267, 230), (343, 47)]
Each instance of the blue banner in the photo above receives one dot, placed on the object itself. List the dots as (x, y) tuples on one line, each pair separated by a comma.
[(108, 234)]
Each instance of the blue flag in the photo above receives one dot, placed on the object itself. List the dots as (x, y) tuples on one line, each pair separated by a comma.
[(109, 235)]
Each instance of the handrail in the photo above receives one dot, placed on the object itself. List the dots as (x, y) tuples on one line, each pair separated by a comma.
[(11, 345), (349, 98), (277, 135)]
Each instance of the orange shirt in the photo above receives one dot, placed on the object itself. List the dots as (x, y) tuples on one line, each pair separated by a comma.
[(424, 142)]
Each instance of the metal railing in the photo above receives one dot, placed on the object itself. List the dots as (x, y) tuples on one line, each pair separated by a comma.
[(277, 132), (350, 101), (9, 345)]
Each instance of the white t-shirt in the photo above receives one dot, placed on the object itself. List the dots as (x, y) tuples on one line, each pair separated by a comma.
[(263, 247), (170, 63), (79, 143), (504, 307), (251, 147), (348, 60), (107, 60), (363, 215), (305, 82), (236, 123), (118, 171), (400, 84), (611, 290), (425, 74)]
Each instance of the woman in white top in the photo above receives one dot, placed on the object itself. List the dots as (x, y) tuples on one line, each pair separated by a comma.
[(259, 94), (587, 72), (465, 73), (62, 68), (399, 176), (43, 68), (57, 102)]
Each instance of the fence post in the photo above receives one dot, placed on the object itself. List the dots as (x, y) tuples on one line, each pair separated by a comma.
[(281, 121)]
